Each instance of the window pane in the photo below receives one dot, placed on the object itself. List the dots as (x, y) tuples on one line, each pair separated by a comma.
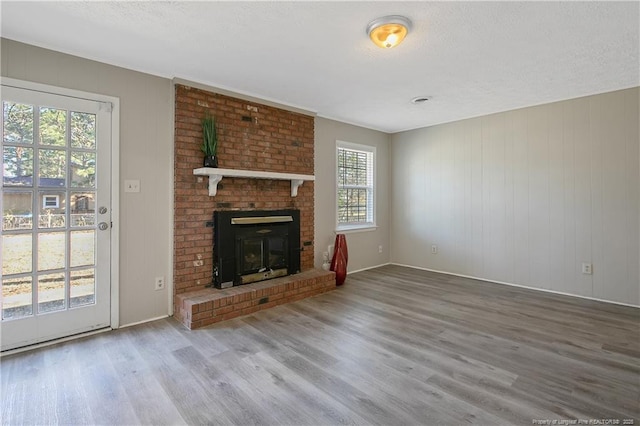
[(52, 164), (51, 294), (18, 123), (352, 205), (83, 130), (16, 211), (350, 158), (83, 288), (83, 209), (362, 175), (51, 250), (83, 169), (339, 164), (17, 295), (52, 209), (342, 198), (357, 205), (82, 248), (342, 214), (16, 254), (53, 126), (17, 166)]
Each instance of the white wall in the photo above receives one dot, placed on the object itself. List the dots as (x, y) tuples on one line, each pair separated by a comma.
[(363, 246), (526, 196), (146, 153)]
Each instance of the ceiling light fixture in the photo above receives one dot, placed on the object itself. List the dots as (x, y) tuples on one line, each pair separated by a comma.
[(388, 31)]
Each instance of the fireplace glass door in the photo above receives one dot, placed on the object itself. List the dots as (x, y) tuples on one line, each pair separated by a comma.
[(251, 258), (277, 249), (261, 252)]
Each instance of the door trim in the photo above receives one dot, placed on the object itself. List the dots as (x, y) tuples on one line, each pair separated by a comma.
[(115, 175)]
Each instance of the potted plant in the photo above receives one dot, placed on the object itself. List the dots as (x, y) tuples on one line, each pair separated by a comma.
[(210, 141)]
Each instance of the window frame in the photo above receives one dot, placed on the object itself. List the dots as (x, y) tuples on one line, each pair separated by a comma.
[(356, 226)]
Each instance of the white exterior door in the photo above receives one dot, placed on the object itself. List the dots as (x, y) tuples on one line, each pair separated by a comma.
[(56, 216)]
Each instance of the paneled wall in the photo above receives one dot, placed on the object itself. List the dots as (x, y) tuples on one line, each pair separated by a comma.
[(526, 196)]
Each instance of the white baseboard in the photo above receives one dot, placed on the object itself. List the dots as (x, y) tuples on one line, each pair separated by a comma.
[(367, 268), (131, 324), (516, 285)]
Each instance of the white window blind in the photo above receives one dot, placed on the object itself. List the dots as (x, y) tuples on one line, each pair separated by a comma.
[(50, 202), (355, 185)]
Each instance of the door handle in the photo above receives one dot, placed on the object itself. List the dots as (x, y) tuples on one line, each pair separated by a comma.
[(103, 226)]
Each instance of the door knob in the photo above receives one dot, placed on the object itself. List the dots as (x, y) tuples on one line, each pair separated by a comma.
[(103, 225)]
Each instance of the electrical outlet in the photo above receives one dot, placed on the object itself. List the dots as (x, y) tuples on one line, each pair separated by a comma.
[(434, 249), (380, 249), (587, 268), (159, 283)]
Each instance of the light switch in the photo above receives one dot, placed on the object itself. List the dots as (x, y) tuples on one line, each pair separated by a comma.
[(132, 185)]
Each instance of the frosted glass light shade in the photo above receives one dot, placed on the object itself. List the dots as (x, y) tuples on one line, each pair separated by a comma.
[(388, 31)]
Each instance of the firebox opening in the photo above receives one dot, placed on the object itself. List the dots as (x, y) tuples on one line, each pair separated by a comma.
[(252, 246)]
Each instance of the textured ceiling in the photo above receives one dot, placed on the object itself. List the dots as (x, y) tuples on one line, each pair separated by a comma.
[(471, 58)]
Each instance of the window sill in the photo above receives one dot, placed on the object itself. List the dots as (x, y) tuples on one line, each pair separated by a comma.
[(348, 229)]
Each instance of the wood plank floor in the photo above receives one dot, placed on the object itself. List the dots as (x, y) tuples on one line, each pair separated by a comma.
[(393, 346)]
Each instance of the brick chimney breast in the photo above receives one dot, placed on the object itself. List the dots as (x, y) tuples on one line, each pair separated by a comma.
[(273, 140)]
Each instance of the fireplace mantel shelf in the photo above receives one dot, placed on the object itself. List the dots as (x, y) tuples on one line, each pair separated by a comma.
[(216, 175)]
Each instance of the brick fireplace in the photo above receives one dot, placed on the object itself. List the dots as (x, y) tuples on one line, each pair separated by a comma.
[(251, 136)]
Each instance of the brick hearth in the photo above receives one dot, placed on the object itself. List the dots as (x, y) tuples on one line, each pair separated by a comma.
[(204, 307)]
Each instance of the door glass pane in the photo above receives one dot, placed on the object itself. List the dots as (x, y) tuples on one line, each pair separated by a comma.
[(51, 249), (52, 167), (51, 294), (18, 123), (83, 288), (83, 130), (53, 126), (16, 210), (83, 169), (17, 166), (52, 209), (82, 248), (17, 294), (83, 209), (16, 254)]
